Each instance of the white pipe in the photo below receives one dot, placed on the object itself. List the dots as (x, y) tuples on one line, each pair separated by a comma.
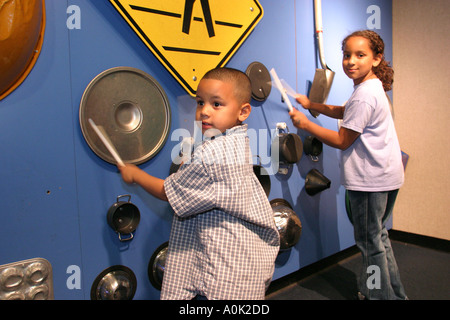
[(319, 31)]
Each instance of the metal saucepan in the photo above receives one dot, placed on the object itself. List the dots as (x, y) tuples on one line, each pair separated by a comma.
[(312, 147), (123, 217), (287, 222), (289, 145)]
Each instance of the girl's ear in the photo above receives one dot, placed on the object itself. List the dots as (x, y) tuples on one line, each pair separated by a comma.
[(377, 60), (245, 111)]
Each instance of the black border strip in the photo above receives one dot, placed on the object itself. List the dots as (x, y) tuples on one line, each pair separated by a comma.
[(420, 240)]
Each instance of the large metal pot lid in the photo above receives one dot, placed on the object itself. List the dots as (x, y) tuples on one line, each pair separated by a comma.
[(133, 110), (260, 80)]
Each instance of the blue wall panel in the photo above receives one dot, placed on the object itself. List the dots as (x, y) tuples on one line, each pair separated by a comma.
[(37, 175), (57, 191)]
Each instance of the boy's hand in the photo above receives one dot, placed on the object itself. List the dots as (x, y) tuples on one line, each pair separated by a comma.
[(303, 100), (128, 172)]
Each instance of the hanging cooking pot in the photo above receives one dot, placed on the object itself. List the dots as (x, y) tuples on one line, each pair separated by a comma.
[(287, 222), (123, 217), (312, 147), (289, 145)]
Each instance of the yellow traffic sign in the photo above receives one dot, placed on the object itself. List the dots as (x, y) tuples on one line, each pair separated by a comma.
[(190, 37)]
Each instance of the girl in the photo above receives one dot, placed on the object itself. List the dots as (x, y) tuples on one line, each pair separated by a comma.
[(371, 164)]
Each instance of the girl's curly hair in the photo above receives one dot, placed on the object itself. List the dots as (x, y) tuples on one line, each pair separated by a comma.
[(384, 71)]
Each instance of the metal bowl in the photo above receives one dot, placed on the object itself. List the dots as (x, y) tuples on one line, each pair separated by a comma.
[(114, 283), (157, 265), (287, 222)]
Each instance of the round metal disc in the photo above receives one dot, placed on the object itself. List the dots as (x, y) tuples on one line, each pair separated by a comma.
[(114, 283), (133, 111), (157, 265), (260, 80)]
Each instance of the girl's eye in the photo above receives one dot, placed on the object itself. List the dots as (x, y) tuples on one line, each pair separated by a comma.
[(200, 103), (216, 104)]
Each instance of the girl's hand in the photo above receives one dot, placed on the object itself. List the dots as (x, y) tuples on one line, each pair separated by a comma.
[(303, 100), (298, 119)]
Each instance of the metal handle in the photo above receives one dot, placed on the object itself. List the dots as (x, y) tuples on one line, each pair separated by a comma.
[(124, 195), (319, 31), (126, 239)]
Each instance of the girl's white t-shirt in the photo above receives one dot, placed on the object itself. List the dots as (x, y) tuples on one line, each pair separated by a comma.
[(374, 161)]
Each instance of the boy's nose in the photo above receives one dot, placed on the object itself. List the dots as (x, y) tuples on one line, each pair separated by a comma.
[(204, 112)]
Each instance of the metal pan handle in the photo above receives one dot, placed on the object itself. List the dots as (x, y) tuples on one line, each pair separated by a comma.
[(124, 195), (125, 239)]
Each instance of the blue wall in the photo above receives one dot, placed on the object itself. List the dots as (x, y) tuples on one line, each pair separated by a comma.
[(57, 192)]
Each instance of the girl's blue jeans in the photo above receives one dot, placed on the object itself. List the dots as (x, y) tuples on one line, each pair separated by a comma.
[(380, 278)]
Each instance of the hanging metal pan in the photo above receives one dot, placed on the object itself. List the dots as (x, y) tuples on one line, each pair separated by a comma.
[(287, 222), (260, 79), (313, 147), (123, 217), (114, 283), (157, 265), (133, 110)]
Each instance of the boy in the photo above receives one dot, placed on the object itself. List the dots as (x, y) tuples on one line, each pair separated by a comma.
[(224, 242)]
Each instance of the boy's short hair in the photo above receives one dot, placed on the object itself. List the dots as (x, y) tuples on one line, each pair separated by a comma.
[(240, 81)]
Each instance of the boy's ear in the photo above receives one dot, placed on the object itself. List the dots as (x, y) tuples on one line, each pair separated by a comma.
[(246, 108)]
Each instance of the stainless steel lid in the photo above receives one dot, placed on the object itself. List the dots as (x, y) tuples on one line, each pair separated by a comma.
[(260, 80), (157, 265), (114, 283), (287, 222), (133, 110)]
